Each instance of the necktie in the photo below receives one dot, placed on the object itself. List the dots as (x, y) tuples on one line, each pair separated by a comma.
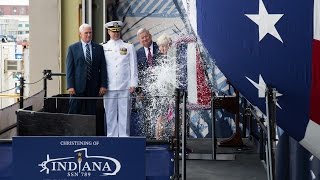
[(89, 62), (149, 57)]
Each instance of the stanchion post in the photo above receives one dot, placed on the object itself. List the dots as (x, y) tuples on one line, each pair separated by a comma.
[(45, 87), (244, 119), (21, 92), (213, 126), (262, 143), (272, 101), (177, 135), (273, 111), (271, 114), (45, 73), (251, 124), (184, 135)]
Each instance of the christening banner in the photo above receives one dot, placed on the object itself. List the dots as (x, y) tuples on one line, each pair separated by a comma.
[(85, 158)]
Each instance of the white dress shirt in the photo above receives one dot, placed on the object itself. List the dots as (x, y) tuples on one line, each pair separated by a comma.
[(147, 51), (84, 48)]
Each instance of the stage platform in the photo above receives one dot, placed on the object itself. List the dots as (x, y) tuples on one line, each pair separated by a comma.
[(246, 166)]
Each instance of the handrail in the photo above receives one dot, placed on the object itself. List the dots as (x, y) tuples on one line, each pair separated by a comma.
[(259, 119), (8, 128), (4, 141), (268, 132)]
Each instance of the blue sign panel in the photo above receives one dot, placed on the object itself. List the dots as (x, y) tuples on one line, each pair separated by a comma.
[(6, 166), (85, 158)]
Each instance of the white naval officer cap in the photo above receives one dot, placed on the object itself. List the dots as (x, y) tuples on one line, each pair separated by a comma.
[(114, 25)]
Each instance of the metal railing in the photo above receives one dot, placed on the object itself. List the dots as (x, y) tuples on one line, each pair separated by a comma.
[(47, 75), (267, 135)]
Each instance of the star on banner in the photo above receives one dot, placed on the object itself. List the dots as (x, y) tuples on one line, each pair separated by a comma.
[(262, 87), (266, 22)]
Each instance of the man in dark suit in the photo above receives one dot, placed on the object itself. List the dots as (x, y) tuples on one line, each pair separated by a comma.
[(86, 73), (146, 55), (146, 58)]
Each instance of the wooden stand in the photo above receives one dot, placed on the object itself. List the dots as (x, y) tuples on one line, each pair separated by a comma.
[(230, 104)]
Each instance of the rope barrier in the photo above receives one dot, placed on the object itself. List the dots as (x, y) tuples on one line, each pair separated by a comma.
[(17, 86), (35, 81), (7, 90)]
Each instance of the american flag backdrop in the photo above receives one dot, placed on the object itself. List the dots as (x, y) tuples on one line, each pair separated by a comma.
[(277, 43)]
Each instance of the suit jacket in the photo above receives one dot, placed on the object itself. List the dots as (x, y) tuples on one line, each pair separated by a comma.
[(142, 58), (77, 68), (121, 65)]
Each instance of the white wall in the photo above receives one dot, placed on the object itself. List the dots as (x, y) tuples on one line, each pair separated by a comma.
[(7, 52), (44, 44)]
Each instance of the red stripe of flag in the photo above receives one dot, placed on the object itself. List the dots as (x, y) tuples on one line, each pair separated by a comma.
[(203, 90), (315, 83)]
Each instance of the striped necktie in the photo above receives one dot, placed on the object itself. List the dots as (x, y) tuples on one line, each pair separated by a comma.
[(89, 62)]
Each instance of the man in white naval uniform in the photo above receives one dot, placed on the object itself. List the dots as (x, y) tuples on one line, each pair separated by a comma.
[(121, 60)]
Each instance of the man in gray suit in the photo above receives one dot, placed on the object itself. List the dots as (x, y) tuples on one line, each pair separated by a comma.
[(86, 73)]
